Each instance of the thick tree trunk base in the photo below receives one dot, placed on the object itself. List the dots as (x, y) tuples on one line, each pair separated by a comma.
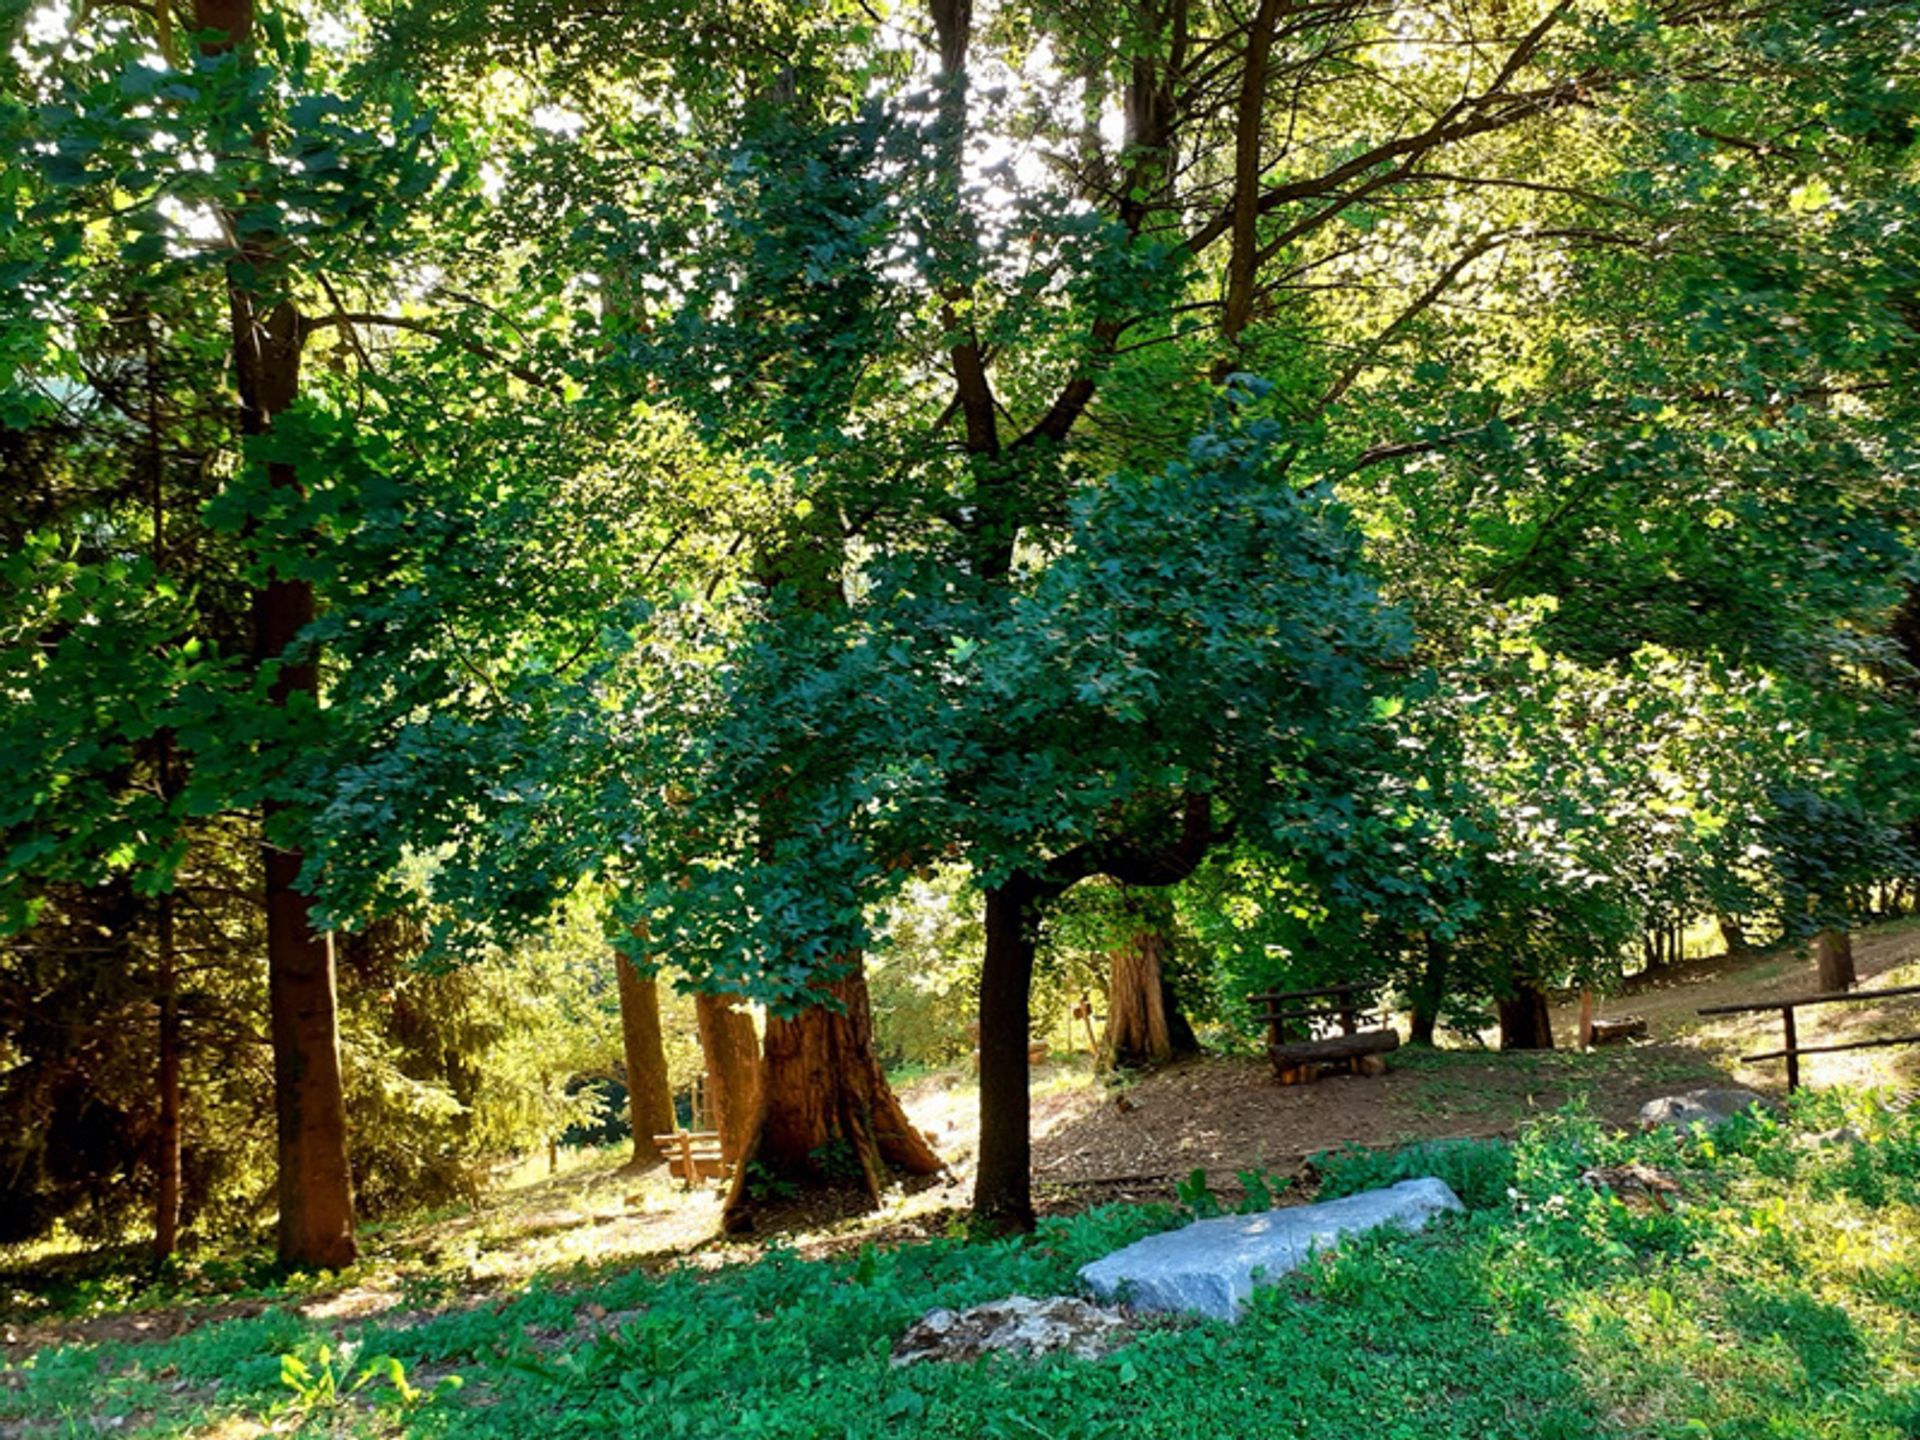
[(315, 1182), (1524, 1021), (828, 1126), (1833, 953), (1139, 1028)]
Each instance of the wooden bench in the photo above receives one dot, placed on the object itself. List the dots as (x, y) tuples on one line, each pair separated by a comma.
[(1309, 1031), (1618, 1030), (693, 1154)]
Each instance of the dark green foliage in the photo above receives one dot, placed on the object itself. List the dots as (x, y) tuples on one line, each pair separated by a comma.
[(1481, 1172)]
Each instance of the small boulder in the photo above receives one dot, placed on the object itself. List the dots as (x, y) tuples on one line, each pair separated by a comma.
[(1211, 1266), (1698, 1107), (1018, 1325), (1825, 1139)]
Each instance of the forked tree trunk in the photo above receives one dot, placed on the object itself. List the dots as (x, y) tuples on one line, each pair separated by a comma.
[(827, 1118), (1138, 1032), (1003, 1185), (1524, 1020), (1833, 952), (649, 1096), (733, 1069)]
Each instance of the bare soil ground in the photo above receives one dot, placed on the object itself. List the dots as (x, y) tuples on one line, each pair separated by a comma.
[(1093, 1141)]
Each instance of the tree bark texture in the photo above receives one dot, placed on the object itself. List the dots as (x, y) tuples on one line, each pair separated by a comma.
[(1524, 1020), (315, 1184), (826, 1118), (1429, 993), (649, 1096), (1003, 1185), (1144, 1025), (733, 1069), (1833, 953)]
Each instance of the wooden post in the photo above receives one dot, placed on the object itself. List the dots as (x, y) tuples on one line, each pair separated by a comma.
[(686, 1158), (1793, 1050), (1586, 1017)]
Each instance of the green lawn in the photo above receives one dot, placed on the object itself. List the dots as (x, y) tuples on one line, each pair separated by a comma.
[(1780, 1299)]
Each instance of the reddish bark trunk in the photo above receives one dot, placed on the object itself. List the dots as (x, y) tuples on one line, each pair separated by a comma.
[(315, 1184), (733, 1069), (1524, 1020), (316, 1191), (1139, 1030), (649, 1096), (827, 1117)]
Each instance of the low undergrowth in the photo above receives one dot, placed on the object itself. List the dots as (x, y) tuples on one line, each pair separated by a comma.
[(1778, 1296)]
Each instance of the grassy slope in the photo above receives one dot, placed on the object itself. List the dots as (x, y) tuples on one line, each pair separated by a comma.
[(1783, 1299)]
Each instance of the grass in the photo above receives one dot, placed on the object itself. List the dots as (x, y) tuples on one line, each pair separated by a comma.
[(1780, 1299)]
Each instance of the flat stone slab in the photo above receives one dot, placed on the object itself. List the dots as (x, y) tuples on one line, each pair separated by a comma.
[(1698, 1107), (1211, 1266)]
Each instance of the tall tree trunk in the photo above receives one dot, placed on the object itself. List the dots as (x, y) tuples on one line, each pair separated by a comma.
[(1833, 953), (166, 1208), (315, 1184), (1003, 1185), (649, 1096), (1431, 990), (733, 1069), (1524, 1020), (316, 1190), (827, 1118), (1138, 1028)]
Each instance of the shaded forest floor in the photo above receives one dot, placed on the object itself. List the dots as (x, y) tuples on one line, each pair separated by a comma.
[(1095, 1141)]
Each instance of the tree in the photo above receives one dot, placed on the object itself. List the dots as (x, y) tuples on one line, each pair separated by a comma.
[(928, 364), (649, 1096), (293, 187)]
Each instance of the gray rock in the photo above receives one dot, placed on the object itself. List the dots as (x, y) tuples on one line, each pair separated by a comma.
[(1017, 1325), (1698, 1107), (1839, 1135), (1211, 1266)]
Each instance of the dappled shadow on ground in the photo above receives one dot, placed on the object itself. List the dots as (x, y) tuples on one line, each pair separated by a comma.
[(1091, 1144), (1228, 1115)]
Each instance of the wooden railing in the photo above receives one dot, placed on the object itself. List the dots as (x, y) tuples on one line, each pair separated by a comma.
[(1794, 1049)]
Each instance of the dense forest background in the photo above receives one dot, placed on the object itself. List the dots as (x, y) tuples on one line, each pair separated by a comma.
[(533, 531)]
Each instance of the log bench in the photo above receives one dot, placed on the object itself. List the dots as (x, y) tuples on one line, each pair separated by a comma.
[(693, 1154), (1619, 1029), (1334, 1027)]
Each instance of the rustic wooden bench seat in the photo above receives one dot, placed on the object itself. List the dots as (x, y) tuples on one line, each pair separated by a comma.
[(1310, 1030)]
